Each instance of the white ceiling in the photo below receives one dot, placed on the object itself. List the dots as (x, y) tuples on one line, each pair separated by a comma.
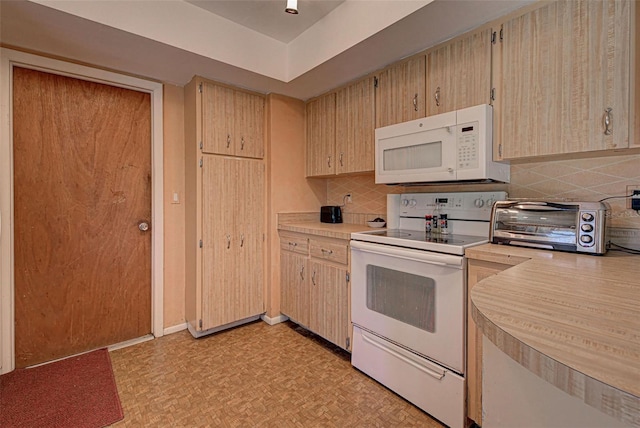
[(172, 40), (267, 16)]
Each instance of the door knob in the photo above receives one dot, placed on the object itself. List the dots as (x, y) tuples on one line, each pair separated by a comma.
[(143, 226)]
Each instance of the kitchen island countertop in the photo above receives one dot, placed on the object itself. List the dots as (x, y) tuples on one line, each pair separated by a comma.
[(571, 319)]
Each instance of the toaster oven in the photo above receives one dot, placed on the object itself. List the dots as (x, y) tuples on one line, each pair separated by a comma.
[(566, 226)]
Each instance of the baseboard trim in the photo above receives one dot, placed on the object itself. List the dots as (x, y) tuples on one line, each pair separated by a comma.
[(275, 320), (175, 328)]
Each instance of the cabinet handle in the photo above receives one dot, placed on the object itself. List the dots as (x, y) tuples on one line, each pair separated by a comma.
[(242, 240), (293, 244), (228, 140), (608, 118), (302, 272), (228, 241), (313, 277), (341, 154), (242, 143), (436, 96), (329, 161), (415, 102), (327, 252)]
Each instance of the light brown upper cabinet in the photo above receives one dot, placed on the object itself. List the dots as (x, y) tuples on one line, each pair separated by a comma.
[(400, 92), (355, 127), (232, 121), (321, 135), (562, 76), (459, 74)]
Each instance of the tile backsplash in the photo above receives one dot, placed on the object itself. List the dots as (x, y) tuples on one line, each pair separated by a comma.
[(581, 179)]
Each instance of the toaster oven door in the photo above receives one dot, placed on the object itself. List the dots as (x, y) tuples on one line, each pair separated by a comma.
[(550, 225)]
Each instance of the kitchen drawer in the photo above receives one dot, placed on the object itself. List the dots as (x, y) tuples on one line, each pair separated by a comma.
[(334, 251), (294, 243)]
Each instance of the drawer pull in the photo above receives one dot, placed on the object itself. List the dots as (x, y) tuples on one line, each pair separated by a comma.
[(293, 244), (327, 252)]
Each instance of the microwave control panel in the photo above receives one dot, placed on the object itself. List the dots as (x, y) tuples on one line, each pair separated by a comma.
[(467, 146)]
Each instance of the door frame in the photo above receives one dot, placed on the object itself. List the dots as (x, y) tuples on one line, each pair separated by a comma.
[(8, 59)]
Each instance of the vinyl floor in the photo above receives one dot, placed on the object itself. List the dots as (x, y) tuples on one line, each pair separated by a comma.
[(255, 375)]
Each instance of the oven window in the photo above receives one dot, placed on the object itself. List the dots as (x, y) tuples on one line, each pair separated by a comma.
[(403, 296)]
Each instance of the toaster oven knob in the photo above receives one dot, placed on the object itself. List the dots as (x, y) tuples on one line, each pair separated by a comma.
[(587, 239), (586, 228), (587, 216)]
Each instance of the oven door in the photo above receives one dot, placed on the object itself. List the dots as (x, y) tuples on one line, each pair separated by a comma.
[(411, 297)]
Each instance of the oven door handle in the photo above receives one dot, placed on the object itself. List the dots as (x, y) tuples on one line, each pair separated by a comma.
[(418, 365), (408, 254)]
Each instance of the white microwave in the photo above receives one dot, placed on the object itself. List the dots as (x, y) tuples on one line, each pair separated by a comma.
[(454, 146)]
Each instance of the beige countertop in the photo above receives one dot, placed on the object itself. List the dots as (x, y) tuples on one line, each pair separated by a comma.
[(573, 320), (328, 230)]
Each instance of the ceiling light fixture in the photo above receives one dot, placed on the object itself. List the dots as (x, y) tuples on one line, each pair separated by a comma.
[(292, 7)]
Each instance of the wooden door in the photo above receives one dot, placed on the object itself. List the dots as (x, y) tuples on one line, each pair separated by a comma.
[(294, 287), (328, 315), (561, 67), (321, 136), (355, 127), (459, 74), (217, 119), (249, 239), (232, 242), (82, 184), (400, 94), (220, 242), (249, 125)]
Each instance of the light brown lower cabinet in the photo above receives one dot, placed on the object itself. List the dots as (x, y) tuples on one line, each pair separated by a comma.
[(477, 270), (314, 285)]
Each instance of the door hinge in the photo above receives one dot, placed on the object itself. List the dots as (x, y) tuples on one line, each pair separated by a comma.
[(348, 342), (348, 277), (493, 94), (200, 162), (200, 324), (375, 82), (200, 90), (200, 145), (200, 243), (493, 38)]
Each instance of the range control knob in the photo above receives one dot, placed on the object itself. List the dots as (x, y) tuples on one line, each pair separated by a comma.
[(478, 203), (413, 203), (490, 202), (405, 202)]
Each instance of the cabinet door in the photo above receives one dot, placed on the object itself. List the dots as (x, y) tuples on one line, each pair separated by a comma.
[(294, 288), (217, 119), (329, 310), (477, 270), (400, 94), (219, 223), (459, 74), (249, 238), (355, 126), (248, 138), (562, 66), (321, 136)]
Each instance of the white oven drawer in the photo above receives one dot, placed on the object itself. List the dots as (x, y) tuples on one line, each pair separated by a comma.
[(436, 390)]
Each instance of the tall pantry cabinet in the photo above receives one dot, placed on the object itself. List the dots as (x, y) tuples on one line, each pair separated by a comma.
[(224, 206)]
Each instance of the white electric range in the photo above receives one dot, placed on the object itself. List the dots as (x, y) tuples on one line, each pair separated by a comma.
[(408, 298)]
